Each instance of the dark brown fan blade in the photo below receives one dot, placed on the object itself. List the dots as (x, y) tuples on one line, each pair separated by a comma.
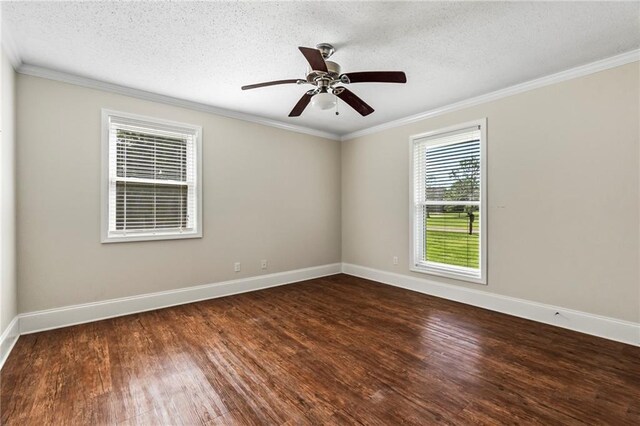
[(354, 101), (268, 83), (376, 77), (315, 59), (301, 105)]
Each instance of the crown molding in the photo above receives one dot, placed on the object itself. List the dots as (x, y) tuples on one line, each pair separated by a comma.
[(580, 71), (10, 48), (90, 83)]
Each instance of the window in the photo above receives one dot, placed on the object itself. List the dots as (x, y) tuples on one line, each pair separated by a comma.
[(151, 179), (448, 202)]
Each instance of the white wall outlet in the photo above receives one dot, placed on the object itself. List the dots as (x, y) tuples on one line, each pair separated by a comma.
[(263, 263), (236, 266), (395, 260)]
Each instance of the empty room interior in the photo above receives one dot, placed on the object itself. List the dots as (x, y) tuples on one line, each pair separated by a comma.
[(320, 213)]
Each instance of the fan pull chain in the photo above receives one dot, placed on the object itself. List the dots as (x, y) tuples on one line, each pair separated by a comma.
[(337, 112)]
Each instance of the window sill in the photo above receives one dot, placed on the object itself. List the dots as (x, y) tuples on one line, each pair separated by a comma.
[(149, 237), (447, 273)]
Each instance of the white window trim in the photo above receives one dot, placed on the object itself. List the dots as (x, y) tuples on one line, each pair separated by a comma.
[(157, 235), (443, 270)]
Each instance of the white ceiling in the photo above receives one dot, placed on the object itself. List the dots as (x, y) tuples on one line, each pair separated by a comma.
[(204, 52)]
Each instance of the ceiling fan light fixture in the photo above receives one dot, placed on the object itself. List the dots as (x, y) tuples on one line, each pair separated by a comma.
[(324, 75), (323, 101)]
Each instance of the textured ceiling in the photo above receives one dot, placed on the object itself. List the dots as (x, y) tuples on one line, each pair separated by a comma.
[(204, 51)]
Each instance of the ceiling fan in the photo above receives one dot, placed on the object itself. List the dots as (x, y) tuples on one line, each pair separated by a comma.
[(325, 76)]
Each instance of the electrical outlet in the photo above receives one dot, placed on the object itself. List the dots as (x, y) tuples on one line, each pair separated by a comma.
[(236, 266), (395, 260), (263, 264)]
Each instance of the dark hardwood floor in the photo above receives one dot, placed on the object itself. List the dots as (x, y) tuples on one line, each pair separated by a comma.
[(336, 350)]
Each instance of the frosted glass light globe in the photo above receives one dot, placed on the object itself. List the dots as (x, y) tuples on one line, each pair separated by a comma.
[(323, 101)]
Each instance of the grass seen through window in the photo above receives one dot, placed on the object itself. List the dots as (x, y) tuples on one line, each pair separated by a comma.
[(451, 239)]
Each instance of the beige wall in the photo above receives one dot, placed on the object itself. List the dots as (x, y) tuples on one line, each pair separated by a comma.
[(8, 291), (563, 194), (268, 194), (563, 198)]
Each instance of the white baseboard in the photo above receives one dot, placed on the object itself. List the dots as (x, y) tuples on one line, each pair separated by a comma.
[(33, 322), (596, 325), (609, 328), (8, 339)]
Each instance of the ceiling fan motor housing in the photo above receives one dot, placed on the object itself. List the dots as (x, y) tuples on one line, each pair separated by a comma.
[(334, 72)]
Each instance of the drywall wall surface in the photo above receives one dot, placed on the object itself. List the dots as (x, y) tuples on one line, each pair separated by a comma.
[(8, 282), (563, 194), (267, 194)]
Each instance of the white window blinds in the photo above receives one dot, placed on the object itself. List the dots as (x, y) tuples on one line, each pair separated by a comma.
[(447, 203), (152, 179)]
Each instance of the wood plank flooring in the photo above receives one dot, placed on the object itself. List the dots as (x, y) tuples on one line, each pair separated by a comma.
[(335, 350)]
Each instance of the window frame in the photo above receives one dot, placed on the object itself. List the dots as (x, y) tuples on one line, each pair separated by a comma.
[(451, 271), (160, 124)]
